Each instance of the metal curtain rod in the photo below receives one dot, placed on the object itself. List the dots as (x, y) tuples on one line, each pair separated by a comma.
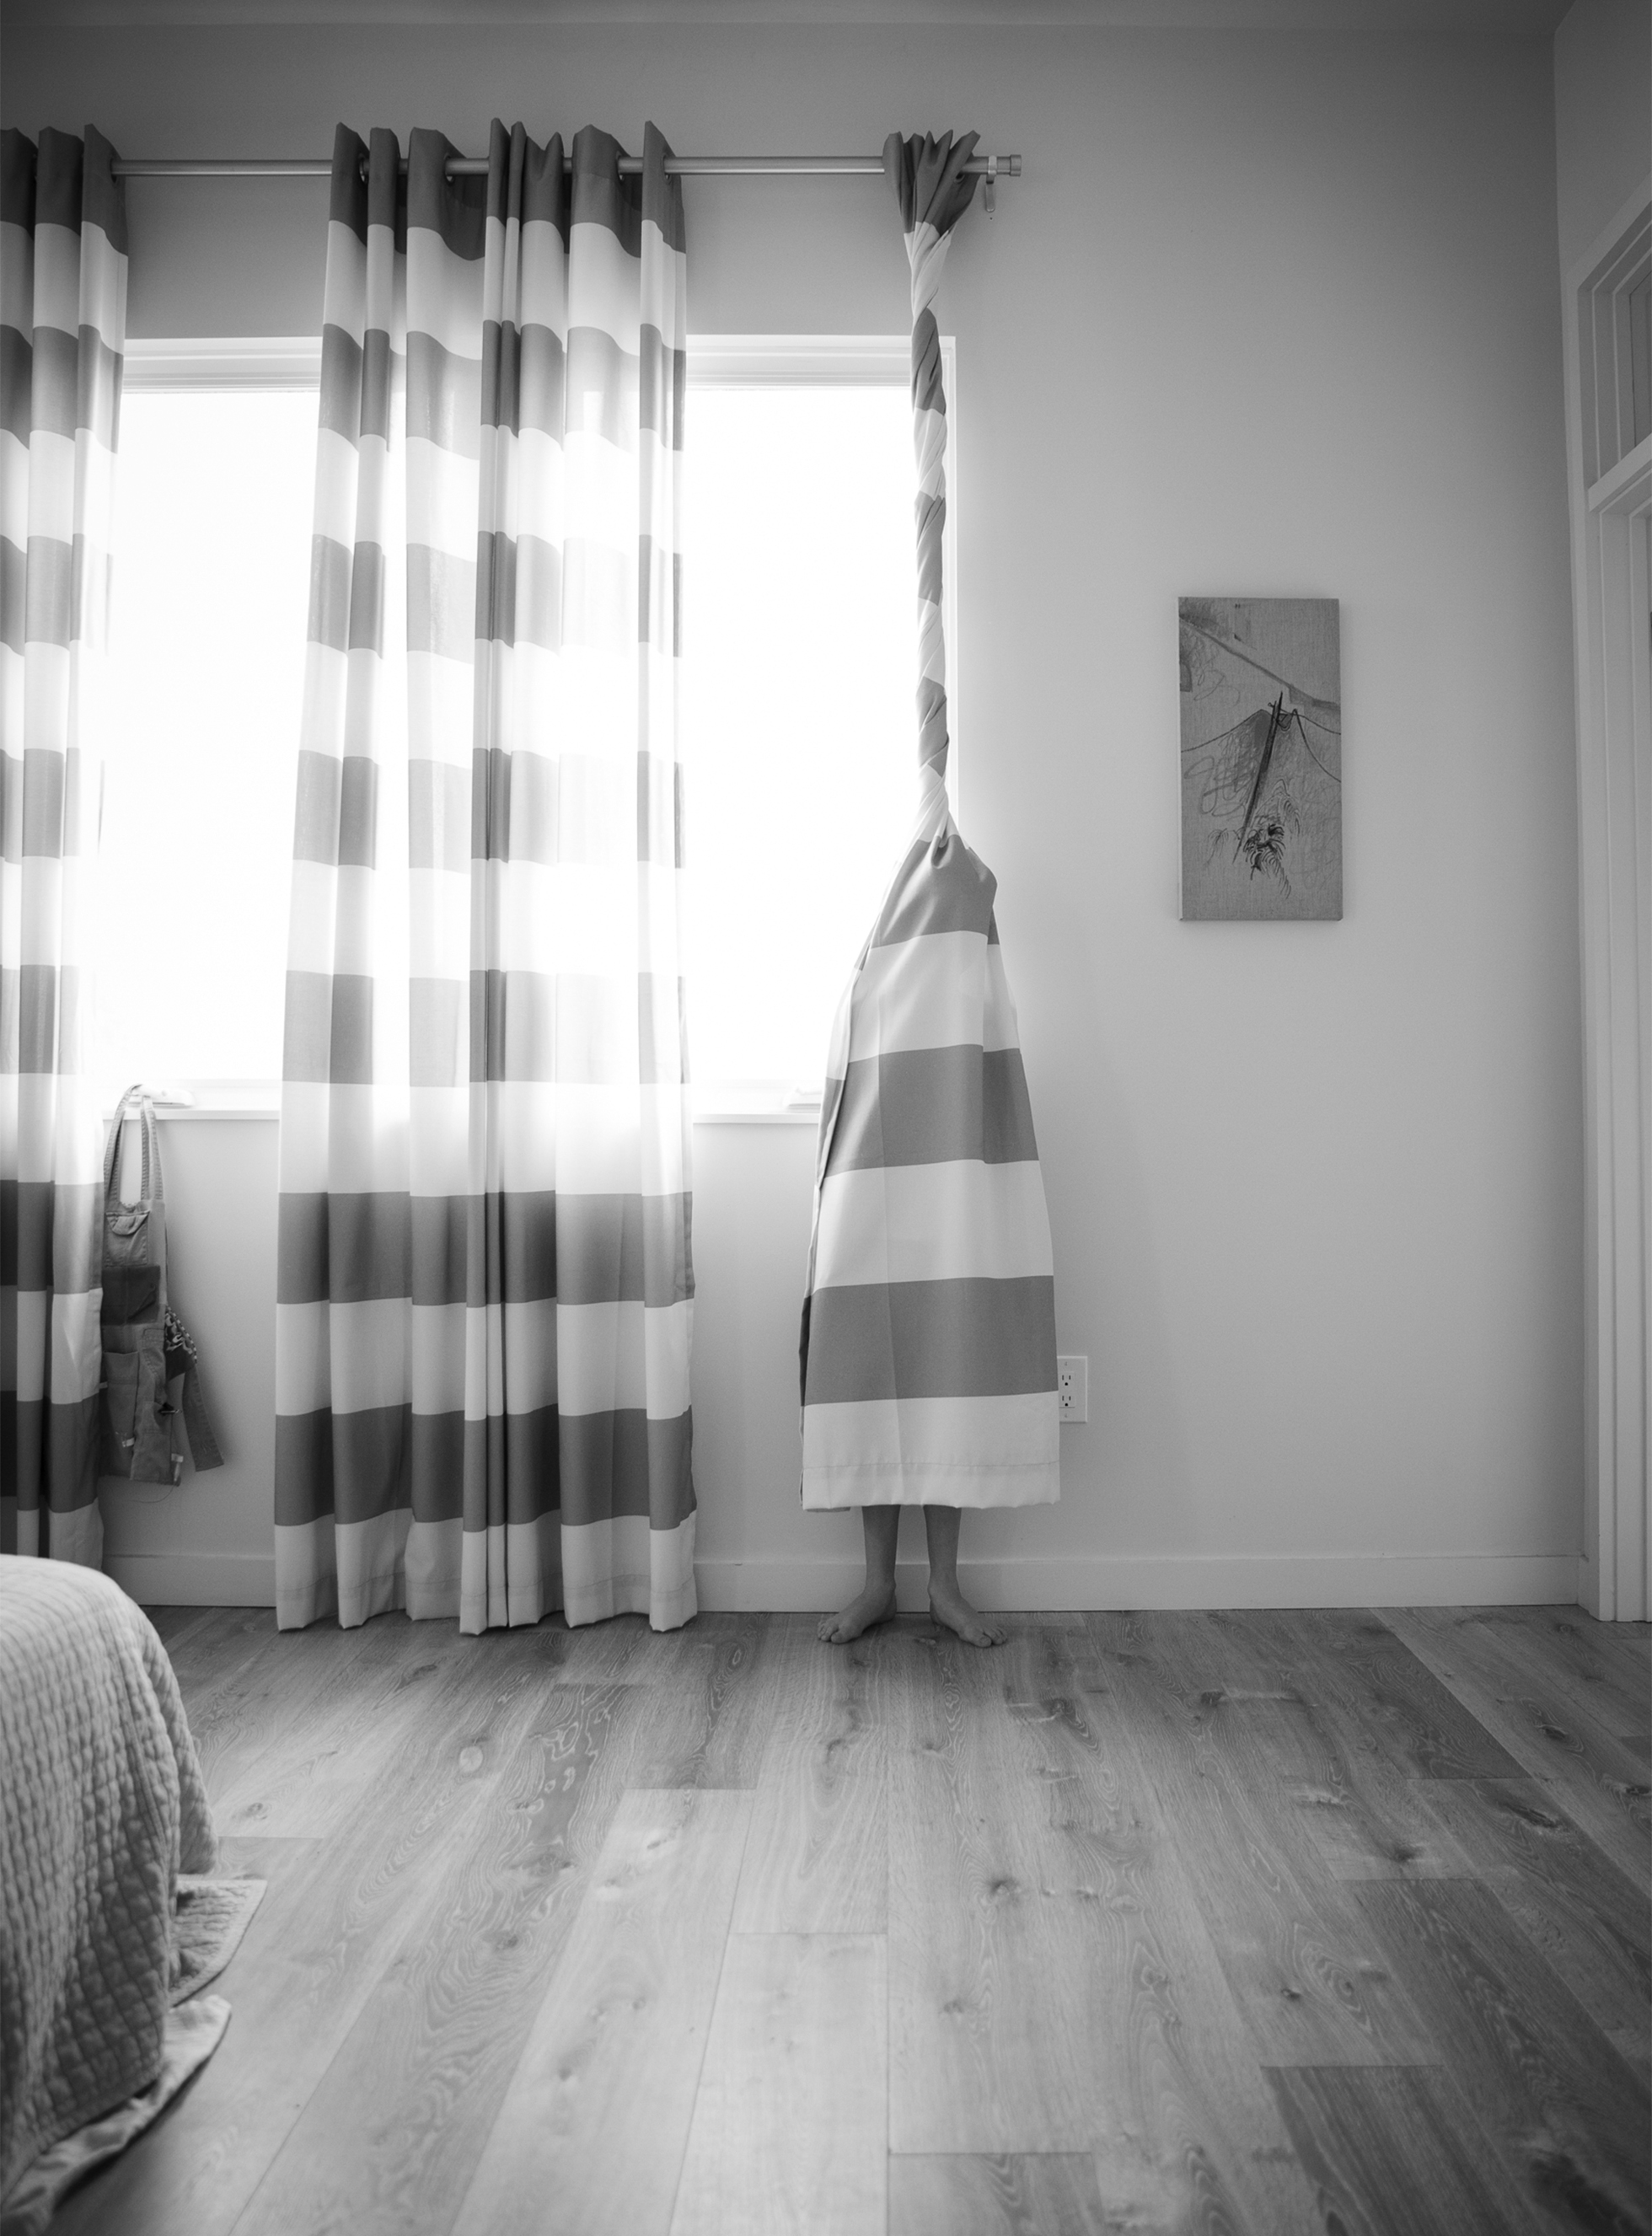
[(991, 167)]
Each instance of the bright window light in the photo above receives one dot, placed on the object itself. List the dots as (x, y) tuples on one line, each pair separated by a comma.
[(800, 666), (213, 497), (800, 733)]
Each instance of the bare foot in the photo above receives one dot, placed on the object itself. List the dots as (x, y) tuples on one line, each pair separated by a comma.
[(948, 1605), (875, 1603)]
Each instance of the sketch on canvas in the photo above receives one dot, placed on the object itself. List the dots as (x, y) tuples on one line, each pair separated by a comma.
[(1261, 758)]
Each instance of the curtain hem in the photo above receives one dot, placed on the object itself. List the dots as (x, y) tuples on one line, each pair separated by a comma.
[(832, 1489)]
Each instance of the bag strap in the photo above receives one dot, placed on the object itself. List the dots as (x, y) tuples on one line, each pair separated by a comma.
[(112, 1152), (153, 1186), (150, 1141)]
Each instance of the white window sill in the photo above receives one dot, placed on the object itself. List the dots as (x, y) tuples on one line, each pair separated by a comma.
[(220, 1101), (755, 1102), (210, 1101), (809, 1118)]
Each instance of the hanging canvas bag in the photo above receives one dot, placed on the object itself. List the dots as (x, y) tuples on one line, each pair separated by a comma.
[(151, 1372)]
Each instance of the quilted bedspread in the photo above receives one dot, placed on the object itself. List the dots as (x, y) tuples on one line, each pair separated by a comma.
[(104, 1804)]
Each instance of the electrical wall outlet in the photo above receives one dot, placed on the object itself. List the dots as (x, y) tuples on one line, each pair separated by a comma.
[(1072, 1389)]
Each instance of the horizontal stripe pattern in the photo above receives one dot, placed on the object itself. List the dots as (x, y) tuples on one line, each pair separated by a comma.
[(64, 182), (928, 1346), (49, 1235), (485, 1266), (569, 810), (383, 1351), (62, 322), (942, 989), (581, 1468), (518, 1247), (969, 1337), (517, 1025), (963, 1220), (621, 1566), (939, 896), (931, 1106), (53, 592), (1003, 1451), (43, 805)]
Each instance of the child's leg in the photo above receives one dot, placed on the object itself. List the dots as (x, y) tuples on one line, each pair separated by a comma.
[(875, 1602), (946, 1602)]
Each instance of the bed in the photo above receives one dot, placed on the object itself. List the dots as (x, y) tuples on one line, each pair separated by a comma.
[(104, 1807)]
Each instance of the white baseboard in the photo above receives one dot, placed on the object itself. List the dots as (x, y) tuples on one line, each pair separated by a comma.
[(1169, 1580), (1128, 1580)]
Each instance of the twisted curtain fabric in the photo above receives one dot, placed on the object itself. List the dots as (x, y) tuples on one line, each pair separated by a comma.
[(485, 1286), (928, 1346), (62, 333)]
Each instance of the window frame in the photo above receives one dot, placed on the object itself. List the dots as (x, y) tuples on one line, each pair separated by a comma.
[(223, 361), (178, 364)]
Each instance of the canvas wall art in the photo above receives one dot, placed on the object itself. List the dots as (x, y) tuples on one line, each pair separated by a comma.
[(1261, 758)]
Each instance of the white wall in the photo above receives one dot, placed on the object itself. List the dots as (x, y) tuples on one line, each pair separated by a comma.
[(1602, 117), (1268, 313)]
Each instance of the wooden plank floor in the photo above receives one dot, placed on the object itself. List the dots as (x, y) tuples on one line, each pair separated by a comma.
[(1275, 1922)]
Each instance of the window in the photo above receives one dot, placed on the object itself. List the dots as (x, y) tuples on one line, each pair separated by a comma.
[(798, 672), (800, 667), (213, 497)]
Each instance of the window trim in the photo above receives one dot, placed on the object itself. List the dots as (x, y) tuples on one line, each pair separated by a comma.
[(223, 361)]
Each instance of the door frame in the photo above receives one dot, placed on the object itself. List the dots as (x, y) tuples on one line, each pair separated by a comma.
[(1610, 483)]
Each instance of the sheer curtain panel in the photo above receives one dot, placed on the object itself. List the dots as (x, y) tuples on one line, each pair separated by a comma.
[(62, 331), (485, 1276), (928, 1322)]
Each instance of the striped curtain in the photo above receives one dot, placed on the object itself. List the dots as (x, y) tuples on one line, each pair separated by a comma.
[(62, 333), (929, 1325), (486, 1286)]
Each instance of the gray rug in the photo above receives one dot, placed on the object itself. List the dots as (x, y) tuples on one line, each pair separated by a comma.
[(209, 1918)]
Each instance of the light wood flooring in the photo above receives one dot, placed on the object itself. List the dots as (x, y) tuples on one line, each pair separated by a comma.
[(1246, 1922)]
